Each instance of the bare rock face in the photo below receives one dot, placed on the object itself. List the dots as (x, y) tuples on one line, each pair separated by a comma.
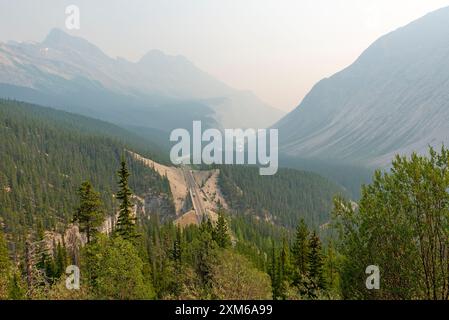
[(393, 99), (159, 204), (72, 239)]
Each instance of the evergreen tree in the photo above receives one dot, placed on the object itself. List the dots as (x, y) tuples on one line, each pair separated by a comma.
[(284, 270), (47, 265), (316, 262), (90, 262), (286, 260), (60, 260), (205, 259), (301, 251), (89, 214), (126, 223), (206, 225), (221, 233)]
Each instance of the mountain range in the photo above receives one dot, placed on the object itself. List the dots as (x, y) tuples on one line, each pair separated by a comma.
[(394, 99), (154, 95)]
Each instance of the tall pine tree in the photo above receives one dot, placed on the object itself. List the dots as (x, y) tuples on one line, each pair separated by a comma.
[(301, 251), (316, 262), (221, 233), (205, 259), (89, 214), (126, 223)]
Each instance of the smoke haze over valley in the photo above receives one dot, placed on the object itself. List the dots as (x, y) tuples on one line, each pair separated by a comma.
[(200, 151)]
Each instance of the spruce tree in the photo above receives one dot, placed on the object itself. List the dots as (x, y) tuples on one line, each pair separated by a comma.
[(221, 234), (301, 251), (285, 261), (316, 261), (60, 260), (89, 214), (126, 223), (205, 260)]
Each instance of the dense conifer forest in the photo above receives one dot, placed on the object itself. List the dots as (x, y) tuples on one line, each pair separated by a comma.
[(284, 198), (44, 157)]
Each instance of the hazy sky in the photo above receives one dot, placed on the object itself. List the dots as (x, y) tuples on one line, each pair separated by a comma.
[(276, 48)]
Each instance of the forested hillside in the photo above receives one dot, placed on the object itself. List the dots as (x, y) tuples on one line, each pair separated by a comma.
[(45, 155), (51, 165), (265, 246), (284, 198)]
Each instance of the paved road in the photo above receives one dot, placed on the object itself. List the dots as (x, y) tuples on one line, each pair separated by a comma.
[(195, 194)]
